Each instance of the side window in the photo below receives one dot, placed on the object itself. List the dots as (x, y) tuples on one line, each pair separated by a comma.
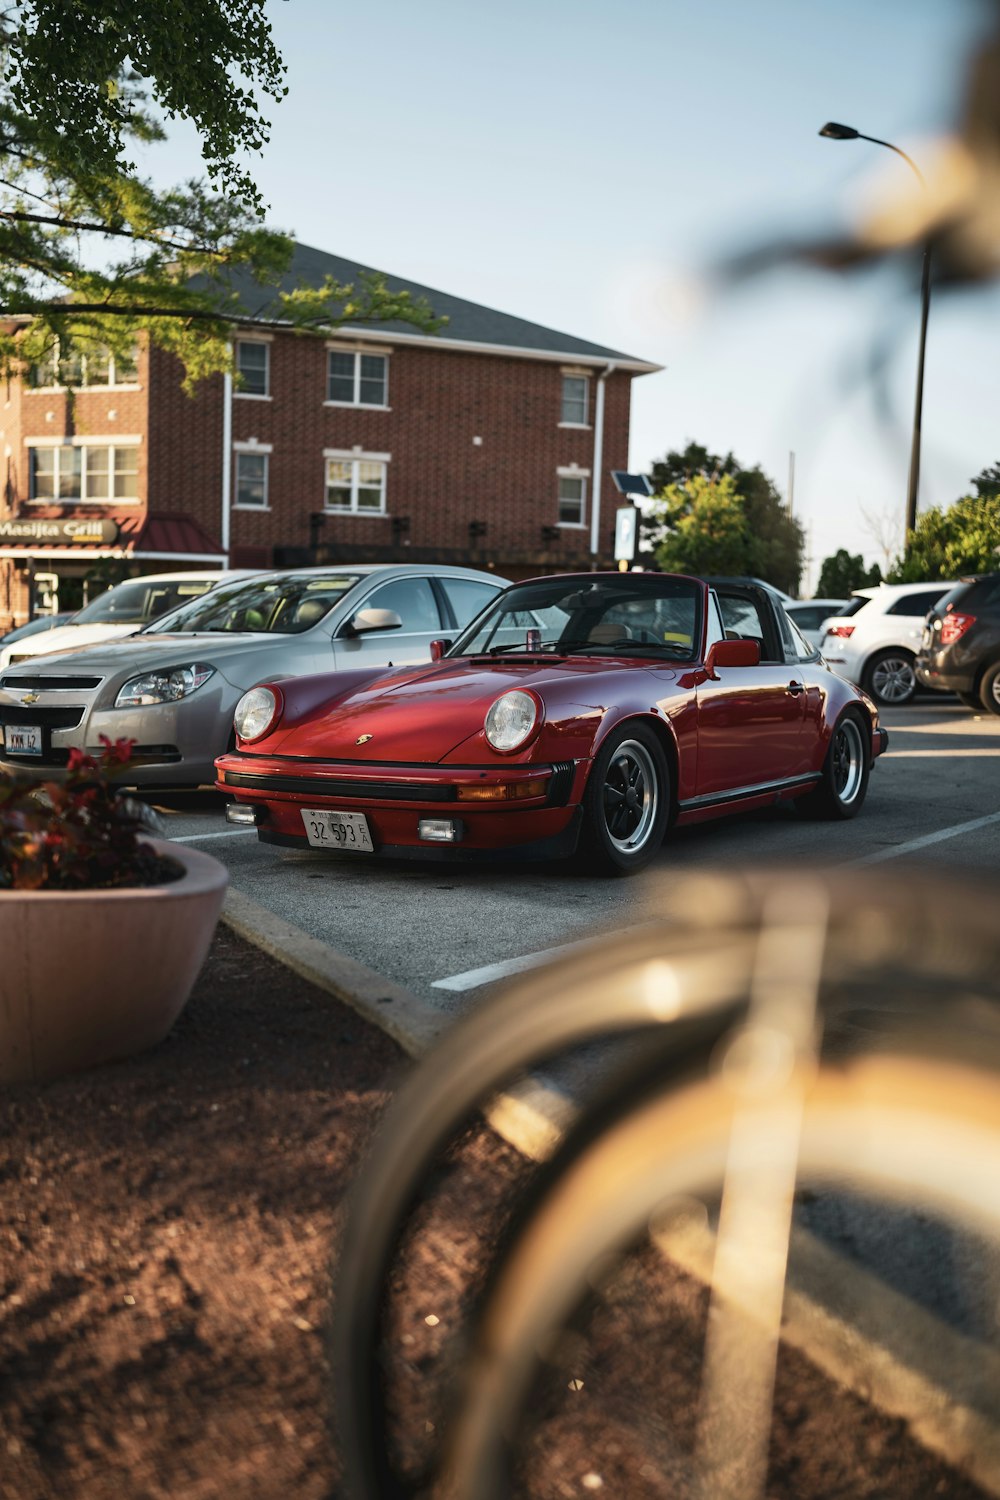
[(715, 630), (467, 597), (742, 621), (412, 599), (914, 604), (797, 648)]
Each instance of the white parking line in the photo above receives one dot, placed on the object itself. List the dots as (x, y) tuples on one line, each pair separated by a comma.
[(226, 833), (954, 832), (471, 979)]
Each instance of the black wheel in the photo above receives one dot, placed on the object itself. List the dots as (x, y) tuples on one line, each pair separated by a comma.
[(627, 801), (844, 783), (989, 690), (971, 700), (890, 677)]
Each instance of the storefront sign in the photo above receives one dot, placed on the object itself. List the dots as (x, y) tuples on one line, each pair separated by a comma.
[(76, 533)]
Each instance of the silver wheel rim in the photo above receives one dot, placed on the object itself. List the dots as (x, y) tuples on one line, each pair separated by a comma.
[(630, 797), (995, 690), (893, 679), (847, 761)]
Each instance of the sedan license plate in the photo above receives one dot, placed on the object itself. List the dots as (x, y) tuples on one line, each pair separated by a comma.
[(337, 830), (22, 739)]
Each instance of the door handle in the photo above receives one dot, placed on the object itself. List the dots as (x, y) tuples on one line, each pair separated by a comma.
[(794, 688)]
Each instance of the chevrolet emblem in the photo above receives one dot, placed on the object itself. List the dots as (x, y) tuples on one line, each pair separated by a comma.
[(362, 739), (30, 698)]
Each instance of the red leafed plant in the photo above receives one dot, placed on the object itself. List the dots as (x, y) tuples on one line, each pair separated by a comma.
[(78, 834)]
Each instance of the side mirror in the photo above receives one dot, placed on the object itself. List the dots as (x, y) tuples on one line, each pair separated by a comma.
[(373, 619), (732, 654), (438, 648)]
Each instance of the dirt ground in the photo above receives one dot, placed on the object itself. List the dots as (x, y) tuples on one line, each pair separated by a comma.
[(166, 1232)]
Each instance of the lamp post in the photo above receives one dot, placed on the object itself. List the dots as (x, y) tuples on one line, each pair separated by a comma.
[(835, 132)]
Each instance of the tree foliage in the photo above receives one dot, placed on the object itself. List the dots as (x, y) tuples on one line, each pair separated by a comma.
[(963, 538), (713, 515), (89, 251), (844, 572)]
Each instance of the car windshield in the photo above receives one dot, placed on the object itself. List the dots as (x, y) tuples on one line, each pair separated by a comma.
[(140, 600), (278, 604), (641, 614)]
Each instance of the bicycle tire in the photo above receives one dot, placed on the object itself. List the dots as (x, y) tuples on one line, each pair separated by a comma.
[(699, 989), (886, 1116)]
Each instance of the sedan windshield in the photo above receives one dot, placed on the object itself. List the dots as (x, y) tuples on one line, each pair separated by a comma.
[(140, 600), (282, 604), (635, 614)]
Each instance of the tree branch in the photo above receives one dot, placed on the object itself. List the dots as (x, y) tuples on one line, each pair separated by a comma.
[(129, 234)]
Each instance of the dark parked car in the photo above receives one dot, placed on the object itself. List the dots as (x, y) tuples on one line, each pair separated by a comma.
[(960, 651)]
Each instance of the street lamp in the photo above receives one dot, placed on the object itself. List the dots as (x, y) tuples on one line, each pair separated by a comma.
[(835, 132)]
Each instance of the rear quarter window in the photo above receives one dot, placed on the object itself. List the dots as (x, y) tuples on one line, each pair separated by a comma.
[(915, 604)]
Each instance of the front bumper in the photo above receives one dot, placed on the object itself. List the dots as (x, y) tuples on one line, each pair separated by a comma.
[(395, 799)]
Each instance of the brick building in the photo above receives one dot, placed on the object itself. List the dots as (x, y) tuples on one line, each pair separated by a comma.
[(488, 443)]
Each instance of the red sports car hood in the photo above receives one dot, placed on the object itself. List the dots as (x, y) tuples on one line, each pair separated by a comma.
[(420, 714)]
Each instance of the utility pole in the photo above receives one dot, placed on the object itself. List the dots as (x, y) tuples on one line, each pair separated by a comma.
[(791, 484)]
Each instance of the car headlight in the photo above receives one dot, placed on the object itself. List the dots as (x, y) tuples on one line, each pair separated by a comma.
[(511, 720), (256, 713), (163, 685)]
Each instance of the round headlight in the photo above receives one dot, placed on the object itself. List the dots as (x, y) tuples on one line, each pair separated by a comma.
[(511, 720), (163, 685), (256, 713)]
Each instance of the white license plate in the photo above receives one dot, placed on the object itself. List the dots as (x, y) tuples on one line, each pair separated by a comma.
[(22, 739), (337, 830)]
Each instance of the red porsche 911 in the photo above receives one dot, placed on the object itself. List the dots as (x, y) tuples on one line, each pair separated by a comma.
[(577, 714)]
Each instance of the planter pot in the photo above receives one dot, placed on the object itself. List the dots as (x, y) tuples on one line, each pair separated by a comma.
[(90, 976)]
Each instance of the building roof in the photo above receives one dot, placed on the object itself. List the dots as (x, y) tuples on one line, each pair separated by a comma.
[(469, 325)]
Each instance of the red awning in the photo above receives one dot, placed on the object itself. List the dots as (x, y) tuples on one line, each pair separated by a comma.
[(171, 535)]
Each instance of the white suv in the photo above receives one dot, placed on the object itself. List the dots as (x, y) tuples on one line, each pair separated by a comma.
[(875, 644)]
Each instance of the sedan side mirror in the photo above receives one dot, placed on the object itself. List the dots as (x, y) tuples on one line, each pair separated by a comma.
[(732, 654), (373, 619), (438, 648)]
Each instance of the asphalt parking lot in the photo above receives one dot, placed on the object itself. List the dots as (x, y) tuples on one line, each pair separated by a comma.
[(446, 932)]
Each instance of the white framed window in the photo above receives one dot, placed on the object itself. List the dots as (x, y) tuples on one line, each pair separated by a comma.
[(250, 478), (573, 499), (356, 379), (575, 401), (99, 473), (96, 366), (253, 364), (355, 483)]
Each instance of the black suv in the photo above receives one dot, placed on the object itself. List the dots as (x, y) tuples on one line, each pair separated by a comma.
[(960, 652)]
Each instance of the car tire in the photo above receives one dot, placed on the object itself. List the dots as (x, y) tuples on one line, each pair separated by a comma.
[(843, 786), (970, 700), (626, 804), (890, 677), (989, 690)]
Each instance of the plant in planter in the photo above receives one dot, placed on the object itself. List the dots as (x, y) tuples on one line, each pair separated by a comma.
[(104, 929)]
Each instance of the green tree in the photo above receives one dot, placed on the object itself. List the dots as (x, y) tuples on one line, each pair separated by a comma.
[(844, 572), (772, 542), (945, 543), (89, 251), (705, 527)]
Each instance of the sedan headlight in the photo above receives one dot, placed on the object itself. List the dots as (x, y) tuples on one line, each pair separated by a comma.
[(163, 685), (256, 713), (511, 720)]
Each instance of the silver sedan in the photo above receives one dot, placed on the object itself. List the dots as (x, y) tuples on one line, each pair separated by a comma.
[(173, 686)]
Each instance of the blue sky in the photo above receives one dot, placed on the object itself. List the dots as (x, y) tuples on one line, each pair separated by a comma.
[(578, 163)]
